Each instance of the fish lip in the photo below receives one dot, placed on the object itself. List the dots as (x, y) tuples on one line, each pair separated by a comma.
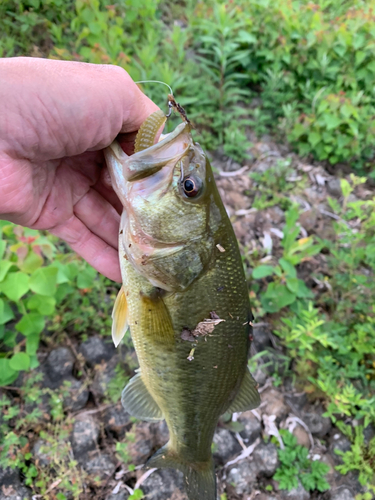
[(148, 156)]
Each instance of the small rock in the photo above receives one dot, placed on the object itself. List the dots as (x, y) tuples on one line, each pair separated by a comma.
[(259, 371), (161, 433), (59, 364), (296, 401), (252, 427), (40, 451), (101, 465), (143, 445), (368, 434), (85, 435), (261, 340), (319, 426), (95, 350), (164, 484), (339, 443), (226, 445), (274, 403), (9, 476), (334, 188), (14, 493), (302, 436), (78, 395), (243, 477), (298, 493), (308, 219), (342, 494), (116, 420), (121, 495), (266, 459), (103, 376)]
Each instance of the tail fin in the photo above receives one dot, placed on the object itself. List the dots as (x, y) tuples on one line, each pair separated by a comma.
[(199, 478)]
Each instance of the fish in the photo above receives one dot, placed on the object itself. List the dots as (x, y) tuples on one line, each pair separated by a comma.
[(184, 297)]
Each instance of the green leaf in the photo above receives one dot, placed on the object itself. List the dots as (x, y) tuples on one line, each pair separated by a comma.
[(20, 361), (314, 138), (292, 284), (5, 265), (2, 248), (332, 121), (34, 362), (44, 305), (86, 277), (288, 268), (276, 297), (43, 281), (303, 292), (6, 313), (7, 374), (31, 323), (32, 262), (262, 271), (32, 344), (15, 285)]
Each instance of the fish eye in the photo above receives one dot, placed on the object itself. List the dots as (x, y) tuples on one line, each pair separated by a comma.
[(191, 186)]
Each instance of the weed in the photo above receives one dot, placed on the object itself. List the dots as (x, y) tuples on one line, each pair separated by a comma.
[(295, 466), (286, 287), (361, 457)]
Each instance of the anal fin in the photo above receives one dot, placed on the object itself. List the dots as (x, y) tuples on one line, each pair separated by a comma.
[(247, 397), (137, 400), (120, 317)]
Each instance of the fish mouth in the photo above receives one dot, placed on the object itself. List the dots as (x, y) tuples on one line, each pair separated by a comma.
[(149, 161)]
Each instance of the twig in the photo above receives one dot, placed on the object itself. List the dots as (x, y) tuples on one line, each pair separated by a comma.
[(143, 478), (240, 171), (96, 410), (291, 424), (246, 453)]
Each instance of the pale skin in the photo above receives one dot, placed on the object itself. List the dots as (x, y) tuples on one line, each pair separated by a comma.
[(55, 119)]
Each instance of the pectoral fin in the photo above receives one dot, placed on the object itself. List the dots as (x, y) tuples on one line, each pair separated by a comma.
[(120, 317), (137, 401), (247, 397)]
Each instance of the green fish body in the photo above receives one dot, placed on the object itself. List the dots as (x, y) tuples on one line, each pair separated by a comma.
[(185, 299)]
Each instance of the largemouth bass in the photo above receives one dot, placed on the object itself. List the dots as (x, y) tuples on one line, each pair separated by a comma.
[(184, 297)]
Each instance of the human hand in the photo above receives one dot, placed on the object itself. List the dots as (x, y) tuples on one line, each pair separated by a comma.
[(55, 119)]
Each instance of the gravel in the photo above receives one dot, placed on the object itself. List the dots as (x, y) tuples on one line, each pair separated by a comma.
[(164, 484), (266, 459), (40, 452), (319, 426), (116, 420), (95, 350), (14, 493), (339, 443), (298, 493), (252, 427), (78, 395), (243, 476), (59, 364), (226, 446), (85, 435), (101, 465), (342, 494)]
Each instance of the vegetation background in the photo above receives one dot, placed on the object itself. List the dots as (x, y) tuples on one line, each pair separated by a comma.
[(300, 72)]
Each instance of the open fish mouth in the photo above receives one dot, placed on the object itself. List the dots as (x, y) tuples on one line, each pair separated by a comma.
[(150, 160)]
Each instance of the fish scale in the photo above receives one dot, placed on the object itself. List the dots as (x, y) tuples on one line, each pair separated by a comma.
[(177, 275)]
